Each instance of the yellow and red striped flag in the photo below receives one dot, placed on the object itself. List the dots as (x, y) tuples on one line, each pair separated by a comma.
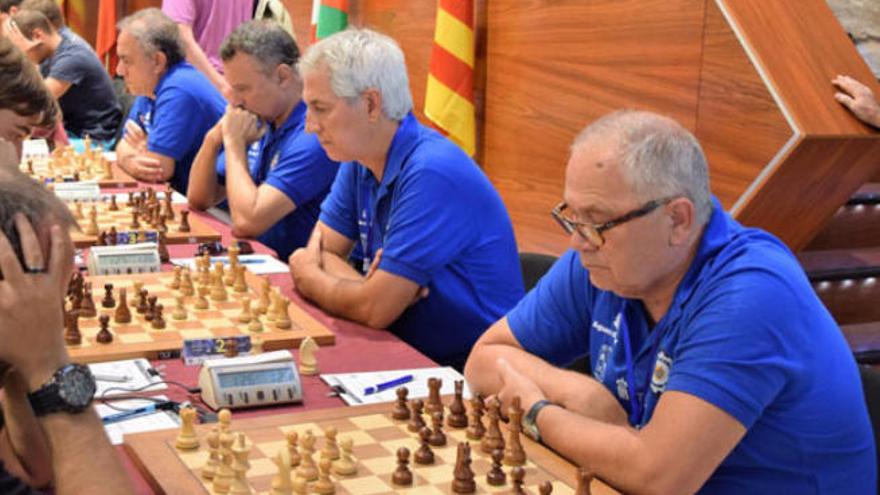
[(449, 100), (328, 17), (75, 15)]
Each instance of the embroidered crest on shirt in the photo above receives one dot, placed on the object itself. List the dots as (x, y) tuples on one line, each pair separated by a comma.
[(661, 372), (602, 362), (622, 389)]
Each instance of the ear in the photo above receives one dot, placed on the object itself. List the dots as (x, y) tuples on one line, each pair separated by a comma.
[(682, 215), (373, 99), (285, 74), (160, 60)]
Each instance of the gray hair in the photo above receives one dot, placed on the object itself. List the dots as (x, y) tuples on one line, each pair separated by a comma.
[(360, 59), (659, 157), (21, 194), (155, 32), (266, 41)]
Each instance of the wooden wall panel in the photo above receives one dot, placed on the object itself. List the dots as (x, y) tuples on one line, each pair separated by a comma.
[(554, 66), (738, 122)]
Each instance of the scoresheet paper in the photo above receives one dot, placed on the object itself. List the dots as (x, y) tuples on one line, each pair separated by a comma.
[(351, 386)]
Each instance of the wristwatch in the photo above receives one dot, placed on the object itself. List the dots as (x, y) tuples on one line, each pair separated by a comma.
[(70, 390), (530, 420)]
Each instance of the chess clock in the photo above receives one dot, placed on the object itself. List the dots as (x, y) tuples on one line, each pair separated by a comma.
[(124, 259), (248, 381)]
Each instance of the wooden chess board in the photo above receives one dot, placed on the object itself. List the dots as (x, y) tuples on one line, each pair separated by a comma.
[(56, 169), (139, 339), (376, 437), (121, 220)]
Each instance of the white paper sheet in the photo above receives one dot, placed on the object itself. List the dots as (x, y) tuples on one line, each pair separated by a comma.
[(352, 385)]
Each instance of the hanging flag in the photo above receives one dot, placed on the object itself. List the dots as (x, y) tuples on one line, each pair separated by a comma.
[(75, 15), (105, 44), (328, 17), (449, 99)]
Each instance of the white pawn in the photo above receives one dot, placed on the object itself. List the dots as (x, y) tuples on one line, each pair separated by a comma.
[(179, 312), (324, 486), (213, 440), (240, 465), (345, 465), (246, 315), (281, 482), (330, 450), (307, 469)]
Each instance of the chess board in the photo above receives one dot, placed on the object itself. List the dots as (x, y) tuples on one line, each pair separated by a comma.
[(68, 169), (376, 437), (121, 219), (139, 339)]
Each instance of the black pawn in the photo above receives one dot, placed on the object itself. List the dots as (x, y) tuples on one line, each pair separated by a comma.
[(517, 475), (496, 476), (401, 411), (402, 475), (142, 302), (416, 422), (438, 438), (545, 488), (424, 455), (151, 309), (158, 321), (104, 336)]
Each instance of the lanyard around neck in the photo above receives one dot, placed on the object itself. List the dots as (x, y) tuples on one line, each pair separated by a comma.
[(637, 406)]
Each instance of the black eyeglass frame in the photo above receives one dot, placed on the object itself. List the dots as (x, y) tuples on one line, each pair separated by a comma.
[(594, 231)]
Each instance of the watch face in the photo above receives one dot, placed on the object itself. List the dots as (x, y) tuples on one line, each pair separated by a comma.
[(76, 386)]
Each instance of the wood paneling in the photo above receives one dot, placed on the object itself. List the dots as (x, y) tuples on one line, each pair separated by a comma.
[(554, 66), (735, 107)]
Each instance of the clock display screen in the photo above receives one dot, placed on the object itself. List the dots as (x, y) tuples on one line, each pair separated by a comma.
[(255, 377)]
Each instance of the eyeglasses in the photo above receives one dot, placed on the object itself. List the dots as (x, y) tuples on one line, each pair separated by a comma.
[(593, 232)]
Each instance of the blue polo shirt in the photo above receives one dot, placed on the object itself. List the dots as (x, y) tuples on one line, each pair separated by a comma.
[(746, 333), (442, 225), (185, 108), (292, 161)]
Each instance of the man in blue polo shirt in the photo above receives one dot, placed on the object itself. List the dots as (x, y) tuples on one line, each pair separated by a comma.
[(276, 196), (176, 104), (440, 261), (715, 368)]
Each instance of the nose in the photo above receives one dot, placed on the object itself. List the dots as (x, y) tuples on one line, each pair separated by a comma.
[(581, 243), (311, 122), (120, 68)]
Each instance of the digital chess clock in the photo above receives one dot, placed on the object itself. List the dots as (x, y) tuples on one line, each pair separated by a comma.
[(248, 381), (124, 259)]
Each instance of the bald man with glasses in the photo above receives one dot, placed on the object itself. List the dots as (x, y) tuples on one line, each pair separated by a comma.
[(714, 366)]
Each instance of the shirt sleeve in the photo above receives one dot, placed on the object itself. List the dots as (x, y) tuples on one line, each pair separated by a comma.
[(339, 209), (430, 225), (732, 353), (177, 124), (303, 171), (68, 68), (180, 11), (553, 320), (140, 106)]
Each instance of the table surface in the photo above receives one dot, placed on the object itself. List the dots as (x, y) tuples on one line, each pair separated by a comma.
[(357, 348)]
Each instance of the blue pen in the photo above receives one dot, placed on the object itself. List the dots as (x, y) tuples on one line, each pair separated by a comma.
[(122, 416), (389, 384)]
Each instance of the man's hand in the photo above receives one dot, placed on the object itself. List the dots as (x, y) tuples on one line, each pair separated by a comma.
[(146, 168), (516, 384), (307, 257), (240, 128), (135, 137), (858, 98), (17, 38), (31, 303)]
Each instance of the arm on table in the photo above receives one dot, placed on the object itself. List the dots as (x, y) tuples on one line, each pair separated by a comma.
[(203, 190), (83, 461), (376, 300), (142, 164), (57, 87), (574, 391), (196, 56), (254, 208)]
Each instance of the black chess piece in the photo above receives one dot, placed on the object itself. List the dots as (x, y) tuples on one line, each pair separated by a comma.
[(424, 455), (401, 411), (104, 336), (437, 438), (416, 422), (402, 475), (496, 476)]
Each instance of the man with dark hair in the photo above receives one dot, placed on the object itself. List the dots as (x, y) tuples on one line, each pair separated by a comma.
[(176, 104), (74, 75), (45, 435), (278, 197), (25, 103)]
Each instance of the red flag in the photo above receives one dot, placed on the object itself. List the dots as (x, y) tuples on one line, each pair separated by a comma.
[(105, 44)]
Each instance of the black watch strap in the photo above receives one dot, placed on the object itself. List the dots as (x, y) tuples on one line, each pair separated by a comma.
[(530, 420)]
